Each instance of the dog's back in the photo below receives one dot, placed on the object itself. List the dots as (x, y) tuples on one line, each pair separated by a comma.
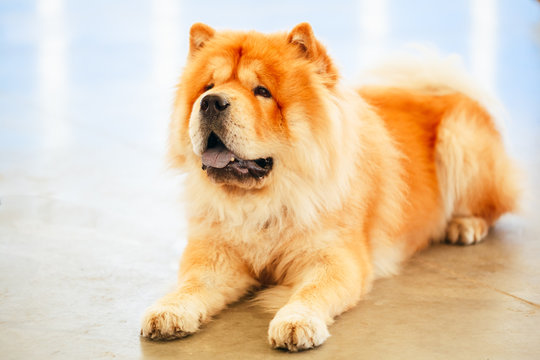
[(459, 178)]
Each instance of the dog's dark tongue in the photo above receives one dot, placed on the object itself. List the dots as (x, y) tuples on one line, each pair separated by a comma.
[(217, 157)]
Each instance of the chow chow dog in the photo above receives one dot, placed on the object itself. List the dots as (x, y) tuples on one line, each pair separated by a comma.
[(302, 185)]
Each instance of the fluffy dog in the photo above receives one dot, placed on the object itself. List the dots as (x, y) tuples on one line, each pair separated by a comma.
[(295, 180)]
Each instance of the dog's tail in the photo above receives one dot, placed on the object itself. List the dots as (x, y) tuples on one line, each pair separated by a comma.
[(426, 71), (423, 69)]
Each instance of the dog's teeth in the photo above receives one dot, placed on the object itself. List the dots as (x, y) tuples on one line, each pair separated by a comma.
[(232, 159)]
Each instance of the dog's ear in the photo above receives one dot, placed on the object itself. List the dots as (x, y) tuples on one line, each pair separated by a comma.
[(309, 47), (198, 35)]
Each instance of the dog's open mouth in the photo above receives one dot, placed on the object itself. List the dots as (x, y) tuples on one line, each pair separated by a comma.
[(221, 163)]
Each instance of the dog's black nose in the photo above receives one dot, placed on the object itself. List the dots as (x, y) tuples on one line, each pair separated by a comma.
[(213, 104)]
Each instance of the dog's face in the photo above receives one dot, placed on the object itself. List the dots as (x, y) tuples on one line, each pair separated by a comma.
[(251, 104)]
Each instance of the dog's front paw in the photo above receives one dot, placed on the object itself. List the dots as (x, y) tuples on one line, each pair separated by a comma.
[(297, 328), (168, 322)]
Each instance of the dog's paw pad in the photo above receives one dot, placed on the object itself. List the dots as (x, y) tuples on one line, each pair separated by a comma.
[(297, 332), (466, 230), (169, 323)]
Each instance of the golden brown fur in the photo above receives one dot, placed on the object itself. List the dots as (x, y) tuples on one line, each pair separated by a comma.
[(361, 180)]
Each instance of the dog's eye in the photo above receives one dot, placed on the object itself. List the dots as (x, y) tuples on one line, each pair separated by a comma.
[(262, 91), (208, 87)]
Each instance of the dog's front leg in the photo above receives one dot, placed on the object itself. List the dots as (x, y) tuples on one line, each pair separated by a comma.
[(210, 277), (332, 281)]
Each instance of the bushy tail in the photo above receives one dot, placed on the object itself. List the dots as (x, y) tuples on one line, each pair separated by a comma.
[(424, 69), (470, 157)]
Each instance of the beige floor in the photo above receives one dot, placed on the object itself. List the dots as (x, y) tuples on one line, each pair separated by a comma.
[(91, 227), (78, 293), (479, 302)]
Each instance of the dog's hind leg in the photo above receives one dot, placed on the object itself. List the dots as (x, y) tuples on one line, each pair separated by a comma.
[(477, 179), (466, 230)]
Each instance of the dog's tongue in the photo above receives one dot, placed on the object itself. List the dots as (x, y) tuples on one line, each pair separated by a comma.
[(217, 157)]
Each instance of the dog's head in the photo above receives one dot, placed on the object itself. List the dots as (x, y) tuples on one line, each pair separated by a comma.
[(251, 108)]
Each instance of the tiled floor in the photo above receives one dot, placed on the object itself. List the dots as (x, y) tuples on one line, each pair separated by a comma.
[(91, 228)]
